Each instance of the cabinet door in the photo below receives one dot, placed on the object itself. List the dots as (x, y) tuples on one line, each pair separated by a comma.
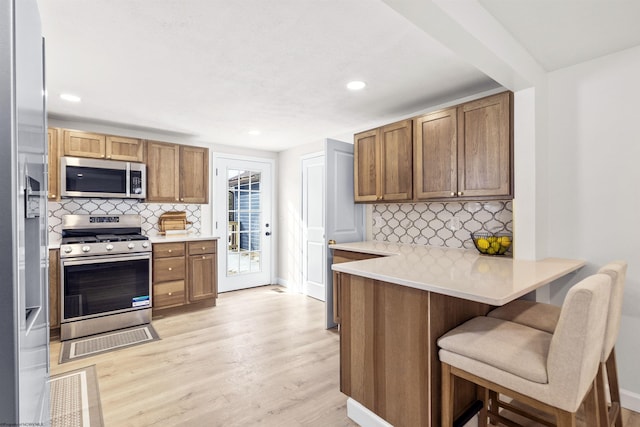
[(194, 174), (396, 165), (163, 165), (125, 149), (366, 175), (84, 144), (54, 288), (485, 147), (202, 277), (53, 156), (436, 164)]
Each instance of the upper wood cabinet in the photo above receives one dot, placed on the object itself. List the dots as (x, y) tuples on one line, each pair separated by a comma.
[(485, 147), (462, 152), (194, 174), (383, 163), (53, 166), (177, 173), (98, 146)]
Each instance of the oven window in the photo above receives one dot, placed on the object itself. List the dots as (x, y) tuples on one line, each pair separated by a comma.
[(96, 180), (102, 287)]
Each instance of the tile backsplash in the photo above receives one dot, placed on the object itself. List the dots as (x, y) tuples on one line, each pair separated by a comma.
[(149, 212), (439, 224)]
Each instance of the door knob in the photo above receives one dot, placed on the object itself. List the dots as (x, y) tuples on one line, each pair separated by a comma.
[(331, 242), (268, 233)]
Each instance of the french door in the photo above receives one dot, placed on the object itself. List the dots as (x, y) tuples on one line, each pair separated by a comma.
[(243, 193)]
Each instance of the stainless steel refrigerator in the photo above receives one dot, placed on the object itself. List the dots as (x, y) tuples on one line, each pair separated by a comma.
[(24, 329)]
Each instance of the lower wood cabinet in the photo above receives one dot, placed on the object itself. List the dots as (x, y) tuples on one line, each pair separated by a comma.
[(202, 270), (388, 352), (184, 273), (54, 288)]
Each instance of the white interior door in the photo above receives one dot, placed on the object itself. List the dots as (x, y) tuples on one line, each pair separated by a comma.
[(344, 219), (313, 244), (243, 193)]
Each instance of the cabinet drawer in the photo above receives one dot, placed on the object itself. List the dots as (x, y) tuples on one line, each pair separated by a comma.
[(166, 269), (168, 293), (164, 250), (202, 247)]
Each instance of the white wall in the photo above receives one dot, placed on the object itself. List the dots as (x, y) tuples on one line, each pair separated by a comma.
[(593, 170), (289, 267)]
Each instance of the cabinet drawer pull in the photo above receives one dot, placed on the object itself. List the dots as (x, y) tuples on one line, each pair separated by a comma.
[(170, 293), (203, 248), (204, 257), (170, 268), (459, 193), (170, 250), (453, 194)]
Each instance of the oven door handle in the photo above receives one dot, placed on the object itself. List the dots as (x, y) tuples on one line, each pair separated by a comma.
[(100, 259)]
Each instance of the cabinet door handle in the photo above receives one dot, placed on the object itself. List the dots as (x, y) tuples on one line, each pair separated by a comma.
[(170, 250), (170, 268), (203, 248), (170, 293), (453, 194), (204, 257), (459, 193)]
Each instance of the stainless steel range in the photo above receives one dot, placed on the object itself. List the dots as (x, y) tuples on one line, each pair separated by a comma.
[(105, 265)]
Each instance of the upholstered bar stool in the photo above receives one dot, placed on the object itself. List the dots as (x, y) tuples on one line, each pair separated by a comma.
[(545, 317), (550, 372)]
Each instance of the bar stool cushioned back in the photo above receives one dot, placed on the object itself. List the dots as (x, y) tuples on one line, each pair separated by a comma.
[(556, 369)]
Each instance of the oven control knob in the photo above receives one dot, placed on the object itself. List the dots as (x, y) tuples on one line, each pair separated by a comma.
[(68, 250), (86, 248), (131, 246), (145, 244), (109, 247)]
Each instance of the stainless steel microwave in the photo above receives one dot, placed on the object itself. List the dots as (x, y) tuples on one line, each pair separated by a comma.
[(81, 177)]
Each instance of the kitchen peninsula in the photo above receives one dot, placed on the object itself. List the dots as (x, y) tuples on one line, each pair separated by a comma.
[(393, 307)]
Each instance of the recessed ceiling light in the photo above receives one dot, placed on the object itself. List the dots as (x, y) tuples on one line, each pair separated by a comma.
[(254, 132), (356, 85), (69, 97)]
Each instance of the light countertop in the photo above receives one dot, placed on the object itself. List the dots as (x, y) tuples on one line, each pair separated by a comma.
[(462, 273), (180, 238)]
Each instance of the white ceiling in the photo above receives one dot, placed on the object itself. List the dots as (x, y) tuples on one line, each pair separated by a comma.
[(213, 70)]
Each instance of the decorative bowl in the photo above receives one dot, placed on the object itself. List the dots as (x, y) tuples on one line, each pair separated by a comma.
[(488, 243)]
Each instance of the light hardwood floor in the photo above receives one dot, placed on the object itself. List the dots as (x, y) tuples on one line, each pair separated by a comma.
[(261, 357)]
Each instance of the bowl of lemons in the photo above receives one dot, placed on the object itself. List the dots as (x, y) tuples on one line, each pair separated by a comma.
[(488, 243)]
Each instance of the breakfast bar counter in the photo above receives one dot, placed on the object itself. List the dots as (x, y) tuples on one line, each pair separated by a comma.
[(462, 273), (393, 302)]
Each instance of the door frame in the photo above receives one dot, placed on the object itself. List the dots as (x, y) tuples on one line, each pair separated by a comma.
[(223, 233)]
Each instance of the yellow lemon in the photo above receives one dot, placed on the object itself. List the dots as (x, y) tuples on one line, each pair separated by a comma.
[(482, 243), (495, 246), (506, 241), (491, 251)]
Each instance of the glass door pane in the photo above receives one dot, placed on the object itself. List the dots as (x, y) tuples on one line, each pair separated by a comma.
[(244, 222)]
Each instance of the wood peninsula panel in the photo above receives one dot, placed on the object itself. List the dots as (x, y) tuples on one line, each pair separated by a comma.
[(388, 348), (340, 256), (124, 149)]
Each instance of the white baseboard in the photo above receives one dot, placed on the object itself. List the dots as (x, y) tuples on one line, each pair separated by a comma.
[(282, 282), (364, 417), (630, 400)]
